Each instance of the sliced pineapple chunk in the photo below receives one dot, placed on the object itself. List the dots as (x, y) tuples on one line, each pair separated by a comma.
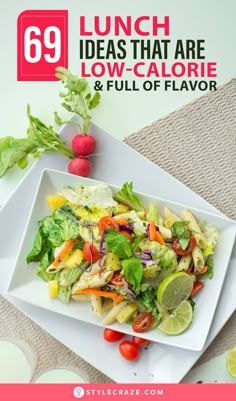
[(53, 288), (56, 201), (111, 262), (120, 209), (74, 259), (126, 313)]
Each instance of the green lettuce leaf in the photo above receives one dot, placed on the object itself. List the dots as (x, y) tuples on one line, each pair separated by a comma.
[(118, 243), (210, 269), (168, 260), (128, 197), (133, 271), (36, 252), (58, 228), (46, 260)]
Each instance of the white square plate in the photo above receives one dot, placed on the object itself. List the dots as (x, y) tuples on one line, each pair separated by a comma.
[(26, 286), (159, 363)]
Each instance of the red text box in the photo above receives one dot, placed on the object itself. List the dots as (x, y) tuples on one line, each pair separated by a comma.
[(42, 44)]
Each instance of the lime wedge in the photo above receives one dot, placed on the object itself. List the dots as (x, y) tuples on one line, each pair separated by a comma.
[(178, 321), (174, 289), (231, 362)]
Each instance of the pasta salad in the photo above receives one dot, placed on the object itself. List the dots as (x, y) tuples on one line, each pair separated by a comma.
[(132, 264)]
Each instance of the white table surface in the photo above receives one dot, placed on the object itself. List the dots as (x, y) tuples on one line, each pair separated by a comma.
[(120, 113)]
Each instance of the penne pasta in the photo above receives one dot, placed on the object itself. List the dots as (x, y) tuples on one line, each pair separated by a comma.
[(198, 258), (194, 226), (111, 262), (82, 297), (112, 314), (97, 304), (54, 269), (141, 215), (165, 232), (184, 263), (170, 218), (88, 281)]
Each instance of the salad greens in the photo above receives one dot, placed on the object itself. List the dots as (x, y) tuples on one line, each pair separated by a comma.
[(118, 243), (59, 227), (133, 271), (87, 250), (53, 231), (210, 268), (179, 229), (40, 139), (78, 99), (128, 197), (153, 214), (147, 299)]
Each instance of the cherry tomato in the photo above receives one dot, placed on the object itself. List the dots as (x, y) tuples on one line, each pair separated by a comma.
[(107, 222), (129, 350), (112, 336), (142, 322), (127, 234), (177, 247), (90, 252), (197, 286), (117, 278), (140, 342)]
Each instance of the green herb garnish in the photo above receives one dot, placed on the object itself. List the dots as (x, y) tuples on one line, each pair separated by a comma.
[(78, 98), (182, 232)]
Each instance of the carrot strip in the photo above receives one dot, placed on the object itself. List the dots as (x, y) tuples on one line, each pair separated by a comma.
[(118, 299), (152, 231), (204, 270), (159, 238), (62, 254), (98, 293)]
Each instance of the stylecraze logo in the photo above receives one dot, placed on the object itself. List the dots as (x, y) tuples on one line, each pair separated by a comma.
[(42, 44)]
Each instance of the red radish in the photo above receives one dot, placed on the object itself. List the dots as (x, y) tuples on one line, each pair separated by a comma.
[(80, 166), (83, 145)]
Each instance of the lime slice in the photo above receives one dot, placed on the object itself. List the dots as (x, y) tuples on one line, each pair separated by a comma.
[(178, 321), (174, 289), (231, 362)]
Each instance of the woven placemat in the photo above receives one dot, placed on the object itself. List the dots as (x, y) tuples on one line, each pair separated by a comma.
[(197, 145)]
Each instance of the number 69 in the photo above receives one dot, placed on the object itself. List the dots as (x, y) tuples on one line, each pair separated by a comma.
[(36, 43)]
